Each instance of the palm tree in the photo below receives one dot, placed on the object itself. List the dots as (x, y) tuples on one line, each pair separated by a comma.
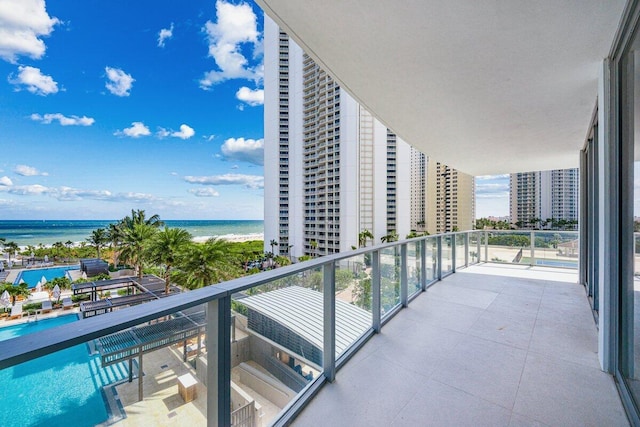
[(391, 237), (115, 236), (135, 239), (11, 247), (139, 217), (204, 264), (15, 290), (98, 239), (363, 236), (164, 249), (273, 243)]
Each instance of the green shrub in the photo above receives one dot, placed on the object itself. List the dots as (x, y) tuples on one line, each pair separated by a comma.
[(80, 297), (32, 306)]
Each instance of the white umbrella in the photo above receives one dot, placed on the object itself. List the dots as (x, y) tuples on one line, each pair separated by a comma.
[(56, 292), (39, 287), (43, 280), (5, 299), (84, 274), (46, 258), (21, 281), (1, 265)]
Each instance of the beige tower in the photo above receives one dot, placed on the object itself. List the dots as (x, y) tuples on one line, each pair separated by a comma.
[(451, 199)]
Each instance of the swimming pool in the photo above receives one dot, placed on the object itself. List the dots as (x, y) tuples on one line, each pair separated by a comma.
[(61, 389), (31, 277), (556, 263)]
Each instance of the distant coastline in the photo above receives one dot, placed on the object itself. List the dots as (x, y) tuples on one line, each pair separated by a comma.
[(35, 232)]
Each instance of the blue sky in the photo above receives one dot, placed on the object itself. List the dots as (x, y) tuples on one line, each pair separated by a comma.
[(492, 196), (111, 106)]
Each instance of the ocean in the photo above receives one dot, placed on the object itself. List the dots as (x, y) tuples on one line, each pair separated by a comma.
[(47, 232)]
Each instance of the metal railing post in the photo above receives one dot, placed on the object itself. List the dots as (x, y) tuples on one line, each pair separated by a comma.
[(219, 362), (532, 262), (329, 343), (466, 249), (439, 256), (478, 244), (423, 264), (486, 246), (375, 291), (404, 285), (453, 240)]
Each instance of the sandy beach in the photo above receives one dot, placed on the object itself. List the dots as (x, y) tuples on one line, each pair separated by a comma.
[(234, 238)]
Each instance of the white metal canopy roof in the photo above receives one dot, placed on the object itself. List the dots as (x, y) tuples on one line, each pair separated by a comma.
[(301, 311), (485, 87)]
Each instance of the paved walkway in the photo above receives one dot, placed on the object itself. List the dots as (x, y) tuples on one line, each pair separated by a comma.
[(488, 346)]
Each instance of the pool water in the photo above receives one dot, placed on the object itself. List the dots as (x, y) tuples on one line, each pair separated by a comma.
[(31, 277), (61, 389)]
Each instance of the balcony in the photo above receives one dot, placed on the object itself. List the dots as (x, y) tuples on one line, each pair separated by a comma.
[(382, 335), (489, 345)]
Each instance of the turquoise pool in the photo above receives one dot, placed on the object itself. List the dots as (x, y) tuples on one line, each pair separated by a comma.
[(31, 277), (61, 389)]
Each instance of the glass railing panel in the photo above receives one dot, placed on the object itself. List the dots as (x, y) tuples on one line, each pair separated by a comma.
[(353, 300), (414, 267), (509, 246), (447, 254), (98, 382), (636, 253), (389, 278), (460, 250), (431, 259), (474, 237), (279, 341), (557, 248)]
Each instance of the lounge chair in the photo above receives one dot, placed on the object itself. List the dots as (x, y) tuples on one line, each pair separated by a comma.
[(46, 306), (16, 312), (67, 303)]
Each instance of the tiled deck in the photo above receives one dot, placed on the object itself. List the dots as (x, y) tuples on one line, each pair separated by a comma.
[(488, 346)]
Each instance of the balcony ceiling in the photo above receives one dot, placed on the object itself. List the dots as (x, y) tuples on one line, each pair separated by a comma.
[(485, 87)]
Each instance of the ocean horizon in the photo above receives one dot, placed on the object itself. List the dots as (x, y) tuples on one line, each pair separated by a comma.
[(48, 232)]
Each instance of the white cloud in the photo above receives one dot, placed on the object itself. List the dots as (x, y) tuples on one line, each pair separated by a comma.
[(491, 177), (204, 192), (25, 170), (34, 81), (26, 190), (164, 34), (244, 150), (251, 97), (71, 194), (22, 23), (496, 188), (185, 132), (208, 137), (136, 130), (249, 181), (162, 133), (235, 26), (235, 167), (63, 120), (119, 82), (6, 181)]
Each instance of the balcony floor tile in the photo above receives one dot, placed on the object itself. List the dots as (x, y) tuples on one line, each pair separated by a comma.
[(524, 353)]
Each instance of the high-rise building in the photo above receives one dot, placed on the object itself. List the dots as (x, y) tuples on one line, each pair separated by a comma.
[(450, 199), (543, 195), (330, 166)]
